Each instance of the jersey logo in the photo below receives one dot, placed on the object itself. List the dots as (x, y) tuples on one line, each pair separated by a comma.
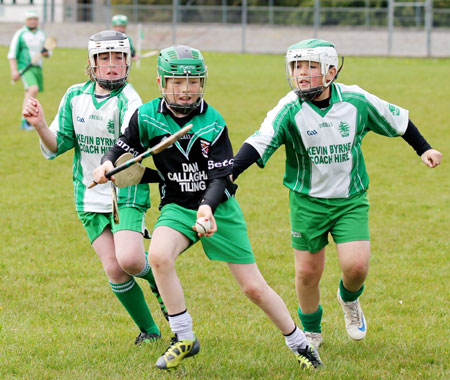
[(205, 147), (110, 126), (80, 119), (312, 132), (394, 110), (344, 129)]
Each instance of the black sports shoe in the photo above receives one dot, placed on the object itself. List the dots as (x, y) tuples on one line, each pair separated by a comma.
[(145, 337), (308, 357)]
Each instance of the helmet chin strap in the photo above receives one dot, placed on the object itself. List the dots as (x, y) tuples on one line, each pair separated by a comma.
[(183, 109), (109, 84)]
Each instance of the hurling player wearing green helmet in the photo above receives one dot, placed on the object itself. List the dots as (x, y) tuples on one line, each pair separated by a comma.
[(321, 124), (119, 24), (88, 121), (193, 176)]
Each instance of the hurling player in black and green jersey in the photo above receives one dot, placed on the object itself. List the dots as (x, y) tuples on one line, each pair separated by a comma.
[(193, 176)]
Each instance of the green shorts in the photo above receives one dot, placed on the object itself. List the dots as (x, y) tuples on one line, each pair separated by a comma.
[(230, 243), (130, 218), (313, 218), (33, 77)]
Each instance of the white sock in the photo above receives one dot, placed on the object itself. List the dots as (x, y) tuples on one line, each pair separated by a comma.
[(296, 340), (181, 324)]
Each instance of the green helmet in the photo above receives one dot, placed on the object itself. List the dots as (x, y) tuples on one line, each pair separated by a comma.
[(119, 20), (311, 50), (181, 61)]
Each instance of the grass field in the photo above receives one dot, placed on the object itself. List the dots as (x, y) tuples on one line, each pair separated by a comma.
[(60, 320)]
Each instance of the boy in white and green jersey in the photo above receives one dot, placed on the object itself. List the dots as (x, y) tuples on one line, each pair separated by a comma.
[(27, 43), (322, 124), (193, 176), (89, 120)]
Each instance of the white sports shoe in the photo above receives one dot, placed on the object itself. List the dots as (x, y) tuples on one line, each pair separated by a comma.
[(314, 338), (355, 323)]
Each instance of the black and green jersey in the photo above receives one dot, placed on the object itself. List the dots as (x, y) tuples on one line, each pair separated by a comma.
[(186, 167)]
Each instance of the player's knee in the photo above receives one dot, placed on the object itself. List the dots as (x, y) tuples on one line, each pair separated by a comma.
[(358, 271), (254, 291), (113, 270), (307, 275), (159, 260), (128, 263)]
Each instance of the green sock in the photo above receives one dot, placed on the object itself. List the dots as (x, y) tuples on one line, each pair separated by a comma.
[(311, 322), (130, 295), (348, 296)]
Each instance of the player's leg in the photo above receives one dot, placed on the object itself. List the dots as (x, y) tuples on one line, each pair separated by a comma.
[(310, 224), (130, 251), (354, 260), (254, 286), (165, 246), (124, 287), (29, 92), (351, 234), (32, 81), (308, 272)]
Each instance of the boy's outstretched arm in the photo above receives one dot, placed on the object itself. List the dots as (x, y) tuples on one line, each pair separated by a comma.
[(413, 137), (246, 156)]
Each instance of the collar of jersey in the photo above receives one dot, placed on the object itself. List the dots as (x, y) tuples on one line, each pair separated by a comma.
[(98, 104), (335, 98)]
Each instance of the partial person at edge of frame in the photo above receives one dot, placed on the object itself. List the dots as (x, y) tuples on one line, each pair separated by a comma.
[(89, 120), (27, 43), (322, 124)]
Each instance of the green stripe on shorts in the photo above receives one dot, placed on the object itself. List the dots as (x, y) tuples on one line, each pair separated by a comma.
[(230, 243)]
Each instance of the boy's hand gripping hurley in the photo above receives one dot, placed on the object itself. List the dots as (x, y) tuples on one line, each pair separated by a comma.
[(150, 152)]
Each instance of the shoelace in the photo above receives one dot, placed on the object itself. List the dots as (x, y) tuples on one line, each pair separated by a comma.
[(172, 342), (355, 316)]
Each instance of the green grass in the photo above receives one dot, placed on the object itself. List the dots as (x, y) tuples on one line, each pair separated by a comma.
[(59, 319)]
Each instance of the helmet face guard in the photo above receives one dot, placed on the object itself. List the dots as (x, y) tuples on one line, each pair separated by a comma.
[(319, 51), (111, 42), (186, 69)]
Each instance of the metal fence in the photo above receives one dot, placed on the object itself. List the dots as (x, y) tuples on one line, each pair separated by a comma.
[(317, 13), (387, 16)]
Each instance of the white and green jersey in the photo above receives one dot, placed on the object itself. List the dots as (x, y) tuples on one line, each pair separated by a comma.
[(25, 45), (91, 127), (323, 146)]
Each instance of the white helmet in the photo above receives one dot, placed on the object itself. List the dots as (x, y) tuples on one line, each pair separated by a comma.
[(109, 41), (312, 50)]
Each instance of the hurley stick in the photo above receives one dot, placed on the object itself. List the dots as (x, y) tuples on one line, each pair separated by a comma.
[(158, 148)]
